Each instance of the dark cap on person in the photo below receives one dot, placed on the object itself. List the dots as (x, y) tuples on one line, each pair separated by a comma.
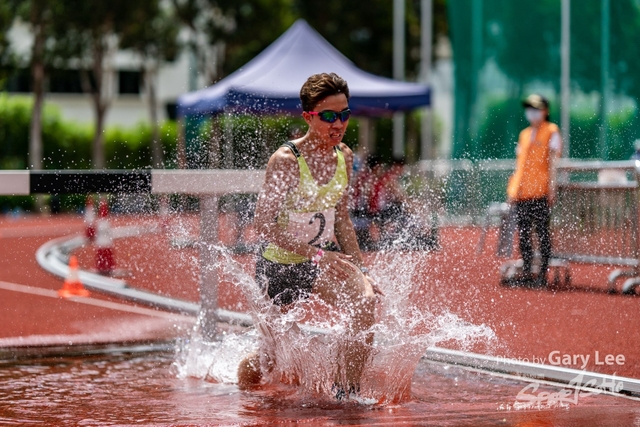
[(536, 101)]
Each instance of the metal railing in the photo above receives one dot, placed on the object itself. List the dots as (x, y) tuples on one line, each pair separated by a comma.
[(462, 189), (595, 220)]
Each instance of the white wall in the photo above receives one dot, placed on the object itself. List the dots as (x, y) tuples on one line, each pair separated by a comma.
[(125, 110), (129, 109)]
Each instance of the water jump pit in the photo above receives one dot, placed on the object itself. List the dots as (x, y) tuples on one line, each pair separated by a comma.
[(147, 385)]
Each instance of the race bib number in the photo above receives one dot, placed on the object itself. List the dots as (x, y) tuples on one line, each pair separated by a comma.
[(312, 227)]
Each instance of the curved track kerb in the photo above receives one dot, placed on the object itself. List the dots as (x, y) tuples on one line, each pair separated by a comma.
[(53, 256)]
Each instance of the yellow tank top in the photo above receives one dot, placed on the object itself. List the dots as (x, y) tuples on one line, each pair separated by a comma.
[(311, 206)]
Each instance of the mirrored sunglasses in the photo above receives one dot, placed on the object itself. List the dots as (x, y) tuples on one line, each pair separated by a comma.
[(331, 116)]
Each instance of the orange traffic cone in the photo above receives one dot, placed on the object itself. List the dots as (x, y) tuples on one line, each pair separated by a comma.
[(105, 260), (89, 219), (72, 286)]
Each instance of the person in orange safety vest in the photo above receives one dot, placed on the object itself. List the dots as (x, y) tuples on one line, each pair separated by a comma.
[(531, 189)]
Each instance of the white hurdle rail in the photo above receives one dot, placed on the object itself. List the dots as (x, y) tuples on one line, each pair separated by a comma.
[(595, 220), (154, 181)]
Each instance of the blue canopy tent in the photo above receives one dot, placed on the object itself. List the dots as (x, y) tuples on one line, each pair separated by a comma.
[(270, 82)]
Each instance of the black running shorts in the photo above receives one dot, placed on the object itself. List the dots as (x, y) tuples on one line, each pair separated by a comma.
[(285, 283), (288, 283)]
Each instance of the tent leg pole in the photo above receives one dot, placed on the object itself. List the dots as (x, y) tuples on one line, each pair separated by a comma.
[(181, 149)]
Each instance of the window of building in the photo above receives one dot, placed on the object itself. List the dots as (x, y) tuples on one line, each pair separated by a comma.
[(129, 82), (18, 80), (66, 81)]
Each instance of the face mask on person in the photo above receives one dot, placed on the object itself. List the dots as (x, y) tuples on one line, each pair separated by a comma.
[(533, 115)]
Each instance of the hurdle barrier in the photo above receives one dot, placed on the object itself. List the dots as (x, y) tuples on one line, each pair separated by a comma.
[(209, 185), (616, 211)]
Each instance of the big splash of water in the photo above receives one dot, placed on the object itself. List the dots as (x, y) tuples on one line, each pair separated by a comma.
[(306, 343)]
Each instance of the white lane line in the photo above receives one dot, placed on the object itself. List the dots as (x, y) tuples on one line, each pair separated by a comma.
[(93, 301)]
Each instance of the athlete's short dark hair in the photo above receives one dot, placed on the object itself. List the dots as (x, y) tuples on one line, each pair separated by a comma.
[(319, 86)]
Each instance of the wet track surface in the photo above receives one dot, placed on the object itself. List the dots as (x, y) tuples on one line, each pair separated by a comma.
[(582, 327)]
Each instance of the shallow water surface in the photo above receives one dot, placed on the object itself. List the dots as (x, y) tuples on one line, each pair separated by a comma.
[(133, 387)]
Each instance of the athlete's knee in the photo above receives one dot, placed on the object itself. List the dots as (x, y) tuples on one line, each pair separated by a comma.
[(366, 307), (362, 310), (249, 372)]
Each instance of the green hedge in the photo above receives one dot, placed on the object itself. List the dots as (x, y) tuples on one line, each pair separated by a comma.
[(15, 114), (67, 145)]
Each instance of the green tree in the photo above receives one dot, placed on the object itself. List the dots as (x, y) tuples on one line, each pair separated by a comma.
[(225, 34), (153, 35), (40, 15), (204, 19), (6, 57), (90, 33), (255, 25)]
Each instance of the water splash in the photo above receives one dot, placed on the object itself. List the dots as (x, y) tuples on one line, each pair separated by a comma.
[(306, 343), (214, 361)]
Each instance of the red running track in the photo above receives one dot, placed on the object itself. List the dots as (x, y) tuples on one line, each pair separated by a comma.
[(566, 325)]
